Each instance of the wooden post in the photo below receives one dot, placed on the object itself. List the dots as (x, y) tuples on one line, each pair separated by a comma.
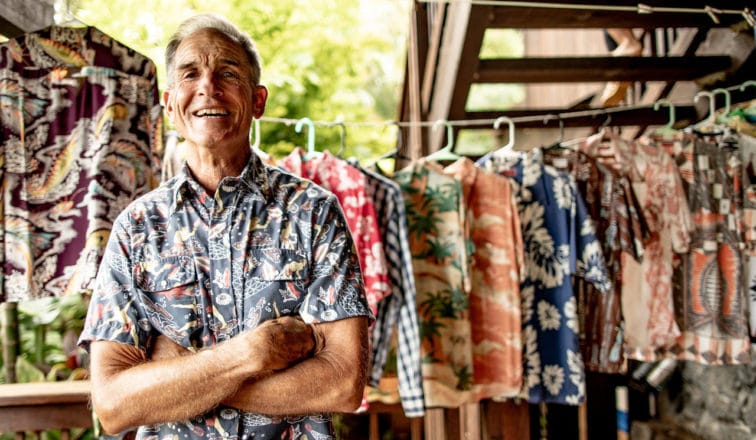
[(10, 340)]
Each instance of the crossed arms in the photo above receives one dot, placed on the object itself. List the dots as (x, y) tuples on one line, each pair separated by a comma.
[(282, 367)]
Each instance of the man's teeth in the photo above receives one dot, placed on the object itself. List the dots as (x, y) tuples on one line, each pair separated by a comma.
[(210, 112)]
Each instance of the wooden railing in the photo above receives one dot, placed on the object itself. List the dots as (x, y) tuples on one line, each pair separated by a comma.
[(36, 407)]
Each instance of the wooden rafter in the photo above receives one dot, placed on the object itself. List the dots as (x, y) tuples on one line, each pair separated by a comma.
[(599, 69)]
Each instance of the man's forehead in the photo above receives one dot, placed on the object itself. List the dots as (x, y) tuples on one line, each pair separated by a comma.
[(210, 44)]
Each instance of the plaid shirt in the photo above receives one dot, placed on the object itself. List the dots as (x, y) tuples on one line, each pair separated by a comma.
[(201, 269), (392, 222)]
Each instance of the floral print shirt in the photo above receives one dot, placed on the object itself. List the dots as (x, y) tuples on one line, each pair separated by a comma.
[(202, 268), (349, 185), (560, 241), (647, 295)]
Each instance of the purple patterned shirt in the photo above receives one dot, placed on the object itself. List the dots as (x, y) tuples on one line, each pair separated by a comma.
[(201, 269)]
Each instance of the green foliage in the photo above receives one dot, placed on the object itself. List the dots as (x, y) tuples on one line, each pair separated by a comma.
[(325, 59), (42, 326)]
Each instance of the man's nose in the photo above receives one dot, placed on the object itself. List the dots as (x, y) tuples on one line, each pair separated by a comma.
[(208, 84)]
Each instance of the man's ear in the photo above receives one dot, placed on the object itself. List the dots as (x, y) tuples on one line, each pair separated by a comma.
[(260, 98), (167, 103)]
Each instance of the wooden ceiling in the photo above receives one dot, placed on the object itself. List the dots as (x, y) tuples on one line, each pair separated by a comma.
[(444, 63)]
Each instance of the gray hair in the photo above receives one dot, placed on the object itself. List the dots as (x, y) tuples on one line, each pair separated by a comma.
[(220, 24)]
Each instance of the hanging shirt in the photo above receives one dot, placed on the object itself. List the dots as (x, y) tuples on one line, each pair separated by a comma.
[(621, 230), (81, 136), (714, 306), (348, 184), (436, 219), (748, 155), (496, 269), (400, 308), (647, 295), (560, 241), (201, 268)]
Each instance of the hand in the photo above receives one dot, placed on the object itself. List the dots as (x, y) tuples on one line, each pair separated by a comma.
[(286, 341), (165, 348)]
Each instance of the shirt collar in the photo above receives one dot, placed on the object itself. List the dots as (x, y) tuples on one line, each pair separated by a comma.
[(255, 177)]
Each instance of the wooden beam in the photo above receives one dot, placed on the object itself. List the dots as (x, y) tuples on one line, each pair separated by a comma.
[(20, 16), (566, 18), (599, 69), (457, 63)]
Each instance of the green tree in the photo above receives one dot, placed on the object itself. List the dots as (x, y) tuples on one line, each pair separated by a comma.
[(328, 60)]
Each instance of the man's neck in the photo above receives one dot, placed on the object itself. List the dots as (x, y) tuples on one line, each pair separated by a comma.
[(210, 167)]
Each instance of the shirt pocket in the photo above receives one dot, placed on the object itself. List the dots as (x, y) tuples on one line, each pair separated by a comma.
[(170, 297), (275, 284)]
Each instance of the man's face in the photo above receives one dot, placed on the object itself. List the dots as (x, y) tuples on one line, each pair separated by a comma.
[(212, 100)]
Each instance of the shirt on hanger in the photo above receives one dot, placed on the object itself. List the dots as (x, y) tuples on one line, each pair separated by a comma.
[(496, 269), (714, 306), (647, 294), (400, 308), (559, 242), (348, 184), (436, 218), (621, 229), (81, 126)]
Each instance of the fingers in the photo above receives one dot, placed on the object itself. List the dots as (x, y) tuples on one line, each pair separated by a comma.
[(285, 341)]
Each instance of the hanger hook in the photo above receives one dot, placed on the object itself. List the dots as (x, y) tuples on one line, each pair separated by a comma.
[(726, 94), (750, 82), (511, 127), (256, 143), (449, 133), (671, 106), (551, 116), (398, 134), (712, 109), (343, 134), (310, 132)]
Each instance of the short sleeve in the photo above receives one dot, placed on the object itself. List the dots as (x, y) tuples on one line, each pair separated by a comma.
[(113, 313), (336, 289)]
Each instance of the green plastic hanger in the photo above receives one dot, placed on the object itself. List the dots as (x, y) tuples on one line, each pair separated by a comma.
[(446, 153), (310, 135), (668, 130), (725, 116)]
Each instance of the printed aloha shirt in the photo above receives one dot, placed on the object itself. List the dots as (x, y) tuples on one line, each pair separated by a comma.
[(201, 269)]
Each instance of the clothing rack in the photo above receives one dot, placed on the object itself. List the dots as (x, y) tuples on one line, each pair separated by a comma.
[(483, 122)]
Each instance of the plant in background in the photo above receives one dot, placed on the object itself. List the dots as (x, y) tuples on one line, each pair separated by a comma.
[(48, 329)]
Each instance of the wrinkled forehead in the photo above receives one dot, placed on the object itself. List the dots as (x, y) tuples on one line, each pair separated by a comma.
[(210, 44)]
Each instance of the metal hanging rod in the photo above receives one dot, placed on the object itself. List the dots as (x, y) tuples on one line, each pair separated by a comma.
[(479, 122), (640, 8)]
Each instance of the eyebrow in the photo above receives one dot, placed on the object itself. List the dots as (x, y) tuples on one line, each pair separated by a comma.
[(223, 61)]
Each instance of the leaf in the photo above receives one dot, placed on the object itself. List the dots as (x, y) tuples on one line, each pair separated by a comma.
[(42, 311), (27, 372)]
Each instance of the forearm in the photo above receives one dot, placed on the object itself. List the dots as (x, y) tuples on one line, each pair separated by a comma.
[(331, 381), (166, 390)]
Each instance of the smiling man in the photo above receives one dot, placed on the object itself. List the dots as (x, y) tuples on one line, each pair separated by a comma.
[(193, 329)]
